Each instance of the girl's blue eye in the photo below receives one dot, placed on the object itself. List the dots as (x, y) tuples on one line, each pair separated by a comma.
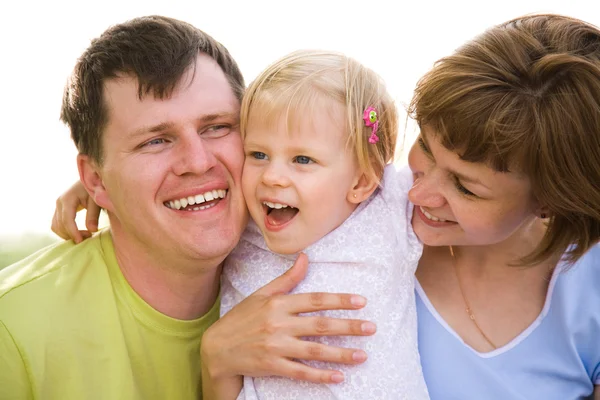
[(302, 160), (258, 155)]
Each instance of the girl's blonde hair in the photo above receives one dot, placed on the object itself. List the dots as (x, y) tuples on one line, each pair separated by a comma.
[(295, 85)]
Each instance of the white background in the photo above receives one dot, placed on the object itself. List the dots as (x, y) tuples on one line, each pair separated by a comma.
[(40, 42)]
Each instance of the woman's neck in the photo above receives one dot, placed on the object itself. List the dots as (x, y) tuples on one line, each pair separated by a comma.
[(498, 257)]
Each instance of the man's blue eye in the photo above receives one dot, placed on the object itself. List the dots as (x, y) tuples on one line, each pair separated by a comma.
[(154, 142), (303, 160)]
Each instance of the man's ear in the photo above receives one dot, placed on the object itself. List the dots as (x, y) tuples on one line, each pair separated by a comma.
[(91, 178), (362, 188)]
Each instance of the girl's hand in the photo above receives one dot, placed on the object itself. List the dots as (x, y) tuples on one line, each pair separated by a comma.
[(262, 336), (67, 206)]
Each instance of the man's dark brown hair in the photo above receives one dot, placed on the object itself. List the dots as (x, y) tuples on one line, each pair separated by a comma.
[(156, 50)]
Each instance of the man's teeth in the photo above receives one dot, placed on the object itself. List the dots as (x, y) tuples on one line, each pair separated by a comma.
[(431, 217), (197, 199), (275, 205)]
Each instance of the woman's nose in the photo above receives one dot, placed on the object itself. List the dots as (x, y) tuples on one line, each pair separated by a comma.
[(425, 191)]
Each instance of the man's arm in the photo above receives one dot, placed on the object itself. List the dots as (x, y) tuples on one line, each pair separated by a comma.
[(262, 336), (14, 381)]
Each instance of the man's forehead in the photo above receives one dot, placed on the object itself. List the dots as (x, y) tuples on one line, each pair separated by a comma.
[(132, 116)]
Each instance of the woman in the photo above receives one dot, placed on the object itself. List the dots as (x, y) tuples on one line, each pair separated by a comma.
[(507, 202)]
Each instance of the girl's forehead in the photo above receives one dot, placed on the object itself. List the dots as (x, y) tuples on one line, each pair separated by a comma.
[(301, 118)]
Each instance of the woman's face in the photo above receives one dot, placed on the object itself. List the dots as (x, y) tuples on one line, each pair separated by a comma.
[(464, 203)]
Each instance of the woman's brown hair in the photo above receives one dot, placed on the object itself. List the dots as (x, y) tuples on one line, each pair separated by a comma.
[(525, 96)]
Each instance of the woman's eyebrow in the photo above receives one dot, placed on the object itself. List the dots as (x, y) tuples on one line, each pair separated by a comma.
[(469, 179)]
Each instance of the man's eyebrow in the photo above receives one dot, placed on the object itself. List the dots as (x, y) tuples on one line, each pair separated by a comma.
[(169, 125), (154, 128), (213, 117)]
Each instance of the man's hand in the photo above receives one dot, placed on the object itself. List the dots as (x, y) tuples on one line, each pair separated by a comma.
[(261, 336), (67, 205)]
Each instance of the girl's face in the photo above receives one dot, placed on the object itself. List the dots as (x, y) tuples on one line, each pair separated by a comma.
[(465, 203), (297, 183)]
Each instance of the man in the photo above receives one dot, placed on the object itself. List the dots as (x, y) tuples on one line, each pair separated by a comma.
[(153, 108)]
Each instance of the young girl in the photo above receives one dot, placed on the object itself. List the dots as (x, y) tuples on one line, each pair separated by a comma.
[(319, 129), (319, 133)]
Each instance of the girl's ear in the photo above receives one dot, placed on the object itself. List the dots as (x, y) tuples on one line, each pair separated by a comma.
[(91, 178), (362, 188)]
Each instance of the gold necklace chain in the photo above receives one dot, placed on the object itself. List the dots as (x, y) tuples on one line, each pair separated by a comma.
[(468, 307)]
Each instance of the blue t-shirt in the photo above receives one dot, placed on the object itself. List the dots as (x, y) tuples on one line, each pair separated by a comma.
[(557, 357)]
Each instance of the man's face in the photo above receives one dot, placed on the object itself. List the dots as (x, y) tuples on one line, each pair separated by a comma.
[(171, 174)]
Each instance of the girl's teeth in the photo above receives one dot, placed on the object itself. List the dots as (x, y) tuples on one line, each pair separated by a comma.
[(275, 205)]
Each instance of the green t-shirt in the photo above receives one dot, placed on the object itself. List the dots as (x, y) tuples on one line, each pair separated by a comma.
[(71, 327)]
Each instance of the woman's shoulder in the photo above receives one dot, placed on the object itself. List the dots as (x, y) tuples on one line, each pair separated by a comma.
[(576, 288), (586, 268)]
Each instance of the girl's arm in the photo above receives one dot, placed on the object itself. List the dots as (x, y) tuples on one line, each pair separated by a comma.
[(67, 205)]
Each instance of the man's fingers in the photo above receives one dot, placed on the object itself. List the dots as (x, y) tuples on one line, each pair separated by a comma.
[(302, 372), (324, 326), (320, 301), (314, 351), (289, 280)]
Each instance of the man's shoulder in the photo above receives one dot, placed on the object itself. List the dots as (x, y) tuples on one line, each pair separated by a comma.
[(43, 275)]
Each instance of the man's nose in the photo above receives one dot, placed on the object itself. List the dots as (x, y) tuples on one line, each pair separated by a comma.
[(193, 156), (426, 191)]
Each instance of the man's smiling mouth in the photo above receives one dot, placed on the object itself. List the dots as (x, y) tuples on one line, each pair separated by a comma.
[(197, 202)]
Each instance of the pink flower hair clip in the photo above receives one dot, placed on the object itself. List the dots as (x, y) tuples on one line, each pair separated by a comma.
[(370, 118)]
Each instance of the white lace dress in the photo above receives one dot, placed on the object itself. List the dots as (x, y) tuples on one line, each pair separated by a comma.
[(374, 253)]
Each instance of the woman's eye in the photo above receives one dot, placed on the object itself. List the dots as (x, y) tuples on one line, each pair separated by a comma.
[(423, 146), (462, 189), (258, 155), (302, 160)]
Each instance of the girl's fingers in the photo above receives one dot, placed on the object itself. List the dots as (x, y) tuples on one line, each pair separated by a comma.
[(92, 215)]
